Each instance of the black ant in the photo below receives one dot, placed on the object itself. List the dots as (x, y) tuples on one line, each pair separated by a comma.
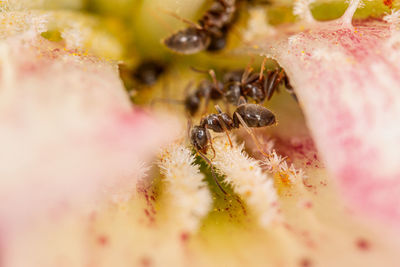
[(247, 115), (235, 84), (206, 89), (148, 72), (209, 34), (145, 74), (257, 86)]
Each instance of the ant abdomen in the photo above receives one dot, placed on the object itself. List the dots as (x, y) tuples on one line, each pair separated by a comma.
[(188, 41), (254, 115)]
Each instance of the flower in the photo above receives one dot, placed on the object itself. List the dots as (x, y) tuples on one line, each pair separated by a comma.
[(74, 148)]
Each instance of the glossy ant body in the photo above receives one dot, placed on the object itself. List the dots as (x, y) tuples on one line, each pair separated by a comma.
[(143, 75), (148, 72), (234, 85), (207, 90), (246, 115), (209, 34), (237, 84), (258, 87)]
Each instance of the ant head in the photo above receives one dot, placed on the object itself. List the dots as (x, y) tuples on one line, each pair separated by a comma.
[(188, 41), (199, 138), (233, 76)]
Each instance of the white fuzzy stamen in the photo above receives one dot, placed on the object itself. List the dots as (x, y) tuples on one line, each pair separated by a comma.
[(190, 197), (75, 35), (277, 164), (301, 8), (393, 19), (246, 177), (347, 17)]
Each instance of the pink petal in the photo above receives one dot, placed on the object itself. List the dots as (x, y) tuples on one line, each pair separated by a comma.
[(348, 83), (67, 131)]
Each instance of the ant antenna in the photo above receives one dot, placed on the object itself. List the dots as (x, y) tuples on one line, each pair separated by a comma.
[(189, 126), (253, 136), (198, 70), (189, 22), (212, 171), (223, 125), (209, 138), (166, 100)]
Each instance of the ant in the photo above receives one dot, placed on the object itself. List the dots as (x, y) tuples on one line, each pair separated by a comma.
[(148, 72), (209, 34), (207, 90), (259, 87), (235, 84), (143, 75), (247, 115)]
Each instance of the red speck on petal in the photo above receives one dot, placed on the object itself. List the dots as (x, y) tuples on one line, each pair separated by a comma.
[(363, 244), (184, 236), (308, 205), (102, 240), (305, 263), (145, 262)]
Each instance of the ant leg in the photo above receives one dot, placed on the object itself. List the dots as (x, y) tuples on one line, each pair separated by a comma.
[(187, 87), (242, 101), (277, 81), (272, 83), (206, 102), (221, 121), (253, 136), (262, 69), (189, 22), (247, 71), (227, 108), (212, 171)]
